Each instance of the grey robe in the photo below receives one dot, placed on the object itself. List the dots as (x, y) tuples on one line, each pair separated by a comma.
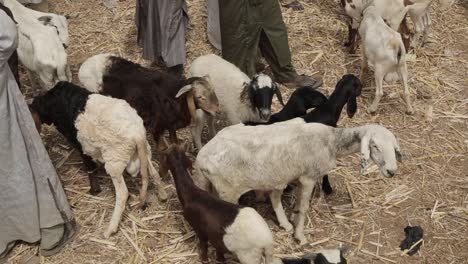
[(213, 26), (161, 30), (33, 205)]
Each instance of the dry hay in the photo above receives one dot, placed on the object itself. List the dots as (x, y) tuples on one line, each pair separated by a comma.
[(367, 213)]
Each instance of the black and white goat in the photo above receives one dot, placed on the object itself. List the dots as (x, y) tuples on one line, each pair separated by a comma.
[(103, 129), (226, 226), (242, 99)]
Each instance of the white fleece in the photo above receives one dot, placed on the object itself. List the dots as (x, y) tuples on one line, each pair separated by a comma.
[(248, 236)]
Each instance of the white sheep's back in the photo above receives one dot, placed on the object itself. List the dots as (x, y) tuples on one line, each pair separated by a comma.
[(249, 230), (267, 157), (109, 127), (227, 81), (92, 71)]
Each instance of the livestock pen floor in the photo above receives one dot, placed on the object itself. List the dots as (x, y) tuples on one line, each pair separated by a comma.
[(367, 213)]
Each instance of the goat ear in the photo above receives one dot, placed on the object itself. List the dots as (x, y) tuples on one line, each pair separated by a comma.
[(207, 78), (351, 106), (183, 90), (45, 20), (398, 155), (365, 153), (278, 94)]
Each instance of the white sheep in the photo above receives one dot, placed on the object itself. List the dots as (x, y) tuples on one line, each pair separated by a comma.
[(383, 49), (40, 49), (242, 99), (105, 129), (267, 157)]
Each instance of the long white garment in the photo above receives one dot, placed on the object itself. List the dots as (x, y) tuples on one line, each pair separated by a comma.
[(33, 205), (213, 27)]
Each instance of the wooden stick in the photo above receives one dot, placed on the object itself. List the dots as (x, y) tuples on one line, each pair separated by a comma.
[(379, 257), (350, 195), (411, 248)]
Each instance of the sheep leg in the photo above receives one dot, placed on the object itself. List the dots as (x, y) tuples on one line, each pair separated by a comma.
[(197, 128), (203, 250), (297, 205), (364, 63), (162, 195), (306, 192), (115, 170), (379, 75), (91, 168), (427, 27), (275, 197), (402, 71)]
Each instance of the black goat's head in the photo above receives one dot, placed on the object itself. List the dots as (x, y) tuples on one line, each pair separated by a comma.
[(354, 86), (261, 91)]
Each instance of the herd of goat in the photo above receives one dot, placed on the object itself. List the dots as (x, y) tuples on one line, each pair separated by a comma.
[(107, 121)]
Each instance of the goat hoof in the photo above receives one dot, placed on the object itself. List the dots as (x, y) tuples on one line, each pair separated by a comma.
[(287, 226), (301, 238), (162, 195), (108, 233), (143, 205), (95, 191)]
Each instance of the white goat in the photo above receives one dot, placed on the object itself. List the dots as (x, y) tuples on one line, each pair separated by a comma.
[(267, 157), (240, 98), (393, 12), (58, 22), (40, 49), (421, 17), (382, 48)]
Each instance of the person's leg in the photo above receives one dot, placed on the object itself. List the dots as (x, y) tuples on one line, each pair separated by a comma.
[(274, 46), (239, 34), (173, 26)]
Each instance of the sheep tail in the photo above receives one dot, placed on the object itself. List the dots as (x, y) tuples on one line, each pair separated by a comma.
[(397, 47), (144, 169)]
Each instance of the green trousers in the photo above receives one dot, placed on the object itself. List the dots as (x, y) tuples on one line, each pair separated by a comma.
[(251, 25)]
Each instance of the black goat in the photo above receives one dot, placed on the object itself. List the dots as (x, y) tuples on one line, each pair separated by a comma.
[(346, 91), (300, 100)]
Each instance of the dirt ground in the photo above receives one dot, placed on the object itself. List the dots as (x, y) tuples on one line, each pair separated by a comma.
[(429, 190)]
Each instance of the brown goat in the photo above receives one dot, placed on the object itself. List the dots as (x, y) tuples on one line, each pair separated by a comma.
[(228, 227)]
